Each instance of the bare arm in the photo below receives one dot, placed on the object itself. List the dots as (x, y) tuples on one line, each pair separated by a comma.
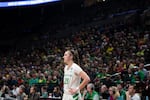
[(85, 81), (85, 78)]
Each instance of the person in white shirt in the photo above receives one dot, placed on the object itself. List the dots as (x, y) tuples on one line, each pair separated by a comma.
[(15, 90), (72, 78), (131, 93)]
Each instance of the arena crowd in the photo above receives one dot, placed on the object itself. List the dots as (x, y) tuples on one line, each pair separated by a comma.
[(113, 57)]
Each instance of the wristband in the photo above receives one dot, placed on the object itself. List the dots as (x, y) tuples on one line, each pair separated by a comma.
[(77, 88)]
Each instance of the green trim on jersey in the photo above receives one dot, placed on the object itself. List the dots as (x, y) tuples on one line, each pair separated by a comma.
[(76, 96)]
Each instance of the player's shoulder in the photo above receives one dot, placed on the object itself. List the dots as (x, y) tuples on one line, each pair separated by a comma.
[(75, 65)]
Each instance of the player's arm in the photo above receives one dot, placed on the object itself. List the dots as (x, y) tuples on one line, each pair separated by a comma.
[(85, 78), (85, 81)]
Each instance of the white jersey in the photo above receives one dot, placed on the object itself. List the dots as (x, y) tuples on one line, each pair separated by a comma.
[(71, 77), (135, 97)]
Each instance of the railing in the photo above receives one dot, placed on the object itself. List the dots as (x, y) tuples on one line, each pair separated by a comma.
[(52, 98), (12, 98)]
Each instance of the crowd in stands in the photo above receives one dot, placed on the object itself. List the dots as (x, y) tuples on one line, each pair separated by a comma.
[(113, 55)]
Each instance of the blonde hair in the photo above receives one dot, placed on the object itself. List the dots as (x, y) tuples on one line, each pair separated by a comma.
[(116, 94)]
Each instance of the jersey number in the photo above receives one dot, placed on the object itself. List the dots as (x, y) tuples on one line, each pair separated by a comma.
[(66, 80)]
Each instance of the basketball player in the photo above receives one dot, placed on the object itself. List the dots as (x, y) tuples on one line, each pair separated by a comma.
[(72, 78)]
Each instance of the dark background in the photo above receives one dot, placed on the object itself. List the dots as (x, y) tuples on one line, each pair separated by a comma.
[(12, 0), (18, 25)]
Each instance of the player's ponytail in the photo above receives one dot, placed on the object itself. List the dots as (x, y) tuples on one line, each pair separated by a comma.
[(75, 55)]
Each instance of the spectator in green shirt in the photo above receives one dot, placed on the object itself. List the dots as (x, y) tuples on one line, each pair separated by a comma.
[(42, 79), (121, 91), (34, 80), (90, 93), (130, 76), (141, 74), (143, 70), (44, 92)]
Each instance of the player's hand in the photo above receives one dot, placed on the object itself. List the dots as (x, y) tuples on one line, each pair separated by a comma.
[(73, 91)]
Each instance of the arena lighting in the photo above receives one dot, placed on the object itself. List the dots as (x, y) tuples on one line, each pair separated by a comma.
[(24, 3)]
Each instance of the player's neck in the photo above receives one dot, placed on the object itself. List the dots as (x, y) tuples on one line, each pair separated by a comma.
[(70, 64)]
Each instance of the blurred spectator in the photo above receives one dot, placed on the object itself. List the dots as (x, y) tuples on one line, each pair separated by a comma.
[(44, 92), (141, 73), (15, 90), (21, 95), (34, 80), (42, 79), (4, 90), (114, 93), (57, 92), (141, 66), (146, 90), (104, 92), (53, 83), (33, 94), (108, 82), (130, 76), (121, 91), (90, 93), (14, 81), (132, 94)]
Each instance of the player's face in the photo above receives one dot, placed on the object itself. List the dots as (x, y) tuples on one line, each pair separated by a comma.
[(67, 57)]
